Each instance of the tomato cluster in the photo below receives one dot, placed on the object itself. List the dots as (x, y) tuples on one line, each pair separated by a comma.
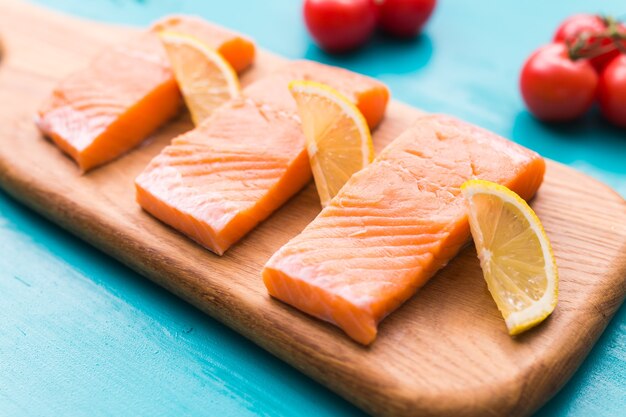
[(585, 62), (342, 25)]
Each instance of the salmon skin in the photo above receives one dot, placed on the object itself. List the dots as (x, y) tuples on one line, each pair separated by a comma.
[(127, 92), (394, 224), (218, 181)]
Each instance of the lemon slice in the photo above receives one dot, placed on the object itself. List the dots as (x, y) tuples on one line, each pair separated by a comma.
[(515, 254), (338, 139), (205, 78)]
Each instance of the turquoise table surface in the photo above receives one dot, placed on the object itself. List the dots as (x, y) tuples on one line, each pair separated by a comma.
[(82, 335)]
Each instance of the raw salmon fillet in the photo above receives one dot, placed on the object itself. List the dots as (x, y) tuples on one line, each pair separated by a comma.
[(127, 92), (218, 181), (236, 49), (394, 224)]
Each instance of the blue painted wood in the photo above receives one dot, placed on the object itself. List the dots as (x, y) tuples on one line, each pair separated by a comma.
[(81, 334)]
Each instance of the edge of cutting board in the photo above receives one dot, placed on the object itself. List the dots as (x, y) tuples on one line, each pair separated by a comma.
[(429, 359)]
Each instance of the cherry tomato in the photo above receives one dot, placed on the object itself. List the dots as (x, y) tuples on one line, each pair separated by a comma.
[(612, 91), (554, 87), (404, 18), (340, 25), (572, 27)]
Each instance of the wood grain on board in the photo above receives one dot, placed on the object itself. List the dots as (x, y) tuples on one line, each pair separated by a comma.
[(445, 352)]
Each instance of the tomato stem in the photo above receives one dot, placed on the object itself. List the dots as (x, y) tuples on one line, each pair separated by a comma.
[(590, 45)]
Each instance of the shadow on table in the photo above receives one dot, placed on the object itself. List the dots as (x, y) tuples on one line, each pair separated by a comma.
[(599, 380), (382, 55), (590, 137), (589, 144)]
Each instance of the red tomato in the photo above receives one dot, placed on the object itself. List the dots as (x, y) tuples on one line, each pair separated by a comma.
[(572, 27), (612, 91), (404, 18), (340, 25), (554, 87)]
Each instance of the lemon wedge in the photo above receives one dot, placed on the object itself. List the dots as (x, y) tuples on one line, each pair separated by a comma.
[(515, 254), (338, 139), (205, 78)]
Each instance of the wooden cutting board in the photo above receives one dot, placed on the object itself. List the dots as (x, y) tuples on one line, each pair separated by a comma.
[(445, 352)]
